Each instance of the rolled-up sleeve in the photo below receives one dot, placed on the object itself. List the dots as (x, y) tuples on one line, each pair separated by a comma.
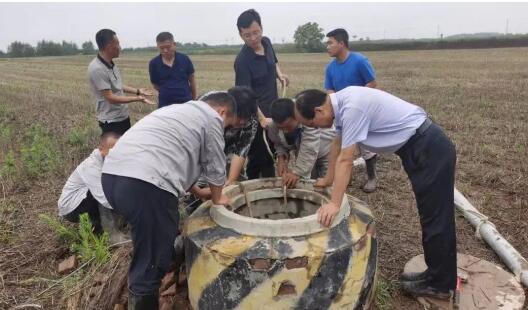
[(214, 162), (308, 151)]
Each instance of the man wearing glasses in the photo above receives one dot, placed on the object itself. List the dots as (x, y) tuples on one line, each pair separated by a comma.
[(107, 86)]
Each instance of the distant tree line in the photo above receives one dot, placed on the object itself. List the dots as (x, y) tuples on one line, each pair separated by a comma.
[(308, 38), (47, 48)]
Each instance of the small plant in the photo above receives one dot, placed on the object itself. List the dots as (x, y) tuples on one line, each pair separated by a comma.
[(384, 291), (41, 156), (64, 233), (8, 169), (90, 245), (82, 241)]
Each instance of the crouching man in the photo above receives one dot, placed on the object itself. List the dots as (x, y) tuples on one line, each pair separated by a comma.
[(83, 192), (383, 123), (153, 164), (310, 145)]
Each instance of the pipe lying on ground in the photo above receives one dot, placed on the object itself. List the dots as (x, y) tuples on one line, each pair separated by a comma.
[(487, 231)]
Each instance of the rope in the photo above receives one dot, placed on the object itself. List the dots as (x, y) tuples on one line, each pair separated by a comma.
[(483, 220)]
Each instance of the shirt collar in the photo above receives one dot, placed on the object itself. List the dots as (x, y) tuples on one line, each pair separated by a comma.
[(334, 100), (108, 65)]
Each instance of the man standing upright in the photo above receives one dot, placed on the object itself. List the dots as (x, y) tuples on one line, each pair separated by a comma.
[(171, 73), (257, 66), (350, 69), (107, 86)]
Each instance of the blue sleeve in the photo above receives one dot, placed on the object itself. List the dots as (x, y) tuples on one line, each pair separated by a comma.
[(152, 72), (367, 71), (190, 66), (328, 83)]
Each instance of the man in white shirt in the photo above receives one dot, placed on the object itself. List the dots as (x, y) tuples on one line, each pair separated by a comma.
[(382, 123), (155, 162), (83, 192)]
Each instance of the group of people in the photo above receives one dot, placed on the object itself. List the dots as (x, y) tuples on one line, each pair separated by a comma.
[(200, 145)]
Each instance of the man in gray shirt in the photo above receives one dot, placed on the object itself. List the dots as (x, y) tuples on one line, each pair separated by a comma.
[(153, 164), (311, 145), (107, 86), (383, 123)]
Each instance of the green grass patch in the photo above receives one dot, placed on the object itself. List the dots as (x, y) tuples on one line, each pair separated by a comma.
[(384, 291)]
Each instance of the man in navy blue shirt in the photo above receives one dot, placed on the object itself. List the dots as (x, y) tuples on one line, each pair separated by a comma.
[(350, 69), (256, 66), (171, 73)]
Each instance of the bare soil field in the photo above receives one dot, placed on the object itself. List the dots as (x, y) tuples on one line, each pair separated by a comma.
[(480, 97)]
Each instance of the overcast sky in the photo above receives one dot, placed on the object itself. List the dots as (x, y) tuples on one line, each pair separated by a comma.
[(137, 24)]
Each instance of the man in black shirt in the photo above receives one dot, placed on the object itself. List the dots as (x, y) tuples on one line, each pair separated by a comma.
[(257, 66)]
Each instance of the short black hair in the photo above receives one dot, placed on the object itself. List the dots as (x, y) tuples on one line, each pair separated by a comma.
[(340, 35), (282, 109), (246, 101), (164, 36), (307, 100), (221, 98), (103, 37), (247, 18)]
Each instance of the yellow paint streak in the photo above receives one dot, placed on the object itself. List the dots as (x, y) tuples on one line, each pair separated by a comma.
[(196, 224), (351, 288), (212, 261)]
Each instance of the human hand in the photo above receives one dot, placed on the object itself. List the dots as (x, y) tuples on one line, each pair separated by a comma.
[(322, 182), (146, 92), (203, 193), (290, 179), (147, 101), (265, 122), (284, 80), (327, 213), (223, 200)]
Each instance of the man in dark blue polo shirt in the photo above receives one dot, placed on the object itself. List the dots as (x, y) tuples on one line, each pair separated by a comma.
[(171, 73), (257, 66)]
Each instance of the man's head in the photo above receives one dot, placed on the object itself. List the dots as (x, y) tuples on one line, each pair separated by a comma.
[(166, 44), (313, 109), (224, 104), (250, 28), (246, 104), (107, 141), (108, 43), (337, 42), (283, 115)]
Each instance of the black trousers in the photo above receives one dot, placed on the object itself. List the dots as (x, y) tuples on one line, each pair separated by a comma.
[(153, 217), (260, 163), (429, 158), (118, 127), (91, 206)]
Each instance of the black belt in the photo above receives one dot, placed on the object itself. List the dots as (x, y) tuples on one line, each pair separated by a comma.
[(424, 126), (420, 130)]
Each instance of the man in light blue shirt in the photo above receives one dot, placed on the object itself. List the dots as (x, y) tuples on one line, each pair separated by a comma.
[(380, 122), (350, 69)]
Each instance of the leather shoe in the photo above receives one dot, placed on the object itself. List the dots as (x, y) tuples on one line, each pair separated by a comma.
[(423, 289)]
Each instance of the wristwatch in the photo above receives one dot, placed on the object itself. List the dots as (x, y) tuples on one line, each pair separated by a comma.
[(137, 92)]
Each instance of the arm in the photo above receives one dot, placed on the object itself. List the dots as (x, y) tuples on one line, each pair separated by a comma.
[(137, 91), (263, 120), (308, 151), (335, 149), (372, 84), (115, 99), (328, 81), (345, 161), (283, 78), (213, 161), (192, 83), (237, 163)]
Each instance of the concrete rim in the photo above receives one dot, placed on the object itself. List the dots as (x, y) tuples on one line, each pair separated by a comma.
[(273, 228)]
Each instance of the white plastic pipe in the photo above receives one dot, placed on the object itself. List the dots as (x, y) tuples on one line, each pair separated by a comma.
[(487, 231)]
